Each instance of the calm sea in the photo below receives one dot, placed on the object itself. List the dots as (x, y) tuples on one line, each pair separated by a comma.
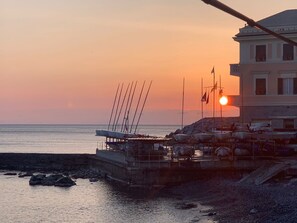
[(102, 201), (61, 138)]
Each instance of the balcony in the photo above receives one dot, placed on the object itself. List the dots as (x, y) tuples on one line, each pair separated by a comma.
[(234, 70)]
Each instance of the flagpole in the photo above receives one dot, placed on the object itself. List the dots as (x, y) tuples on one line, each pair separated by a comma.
[(221, 107), (201, 98), (183, 98), (214, 97)]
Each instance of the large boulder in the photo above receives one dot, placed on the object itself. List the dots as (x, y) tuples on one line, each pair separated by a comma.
[(65, 182), (51, 180), (26, 174), (37, 179)]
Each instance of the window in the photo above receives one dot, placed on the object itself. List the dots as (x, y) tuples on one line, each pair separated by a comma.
[(288, 52), (287, 86), (288, 123), (260, 53), (260, 86)]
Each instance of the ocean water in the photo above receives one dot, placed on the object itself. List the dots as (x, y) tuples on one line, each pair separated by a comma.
[(87, 202), (61, 138)]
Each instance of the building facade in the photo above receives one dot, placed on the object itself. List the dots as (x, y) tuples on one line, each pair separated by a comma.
[(268, 72)]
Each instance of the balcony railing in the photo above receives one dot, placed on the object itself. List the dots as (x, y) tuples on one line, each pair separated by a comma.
[(234, 69)]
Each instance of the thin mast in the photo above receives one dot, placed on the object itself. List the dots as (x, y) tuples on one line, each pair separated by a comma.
[(126, 108), (128, 112), (183, 103), (221, 107), (137, 106), (116, 113), (201, 98), (115, 126), (143, 106), (114, 101), (214, 98)]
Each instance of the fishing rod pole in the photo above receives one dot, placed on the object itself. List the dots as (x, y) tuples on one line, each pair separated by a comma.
[(249, 21), (112, 110), (143, 106), (134, 116)]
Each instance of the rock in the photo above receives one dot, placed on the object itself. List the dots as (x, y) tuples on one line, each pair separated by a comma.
[(93, 179), (253, 211), (37, 179), (10, 174), (27, 174), (64, 182), (185, 206), (293, 182), (51, 179), (85, 174), (211, 214)]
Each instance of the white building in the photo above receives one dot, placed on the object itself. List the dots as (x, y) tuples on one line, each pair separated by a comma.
[(268, 72)]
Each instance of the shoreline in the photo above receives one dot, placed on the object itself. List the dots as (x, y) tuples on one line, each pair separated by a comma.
[(233, 202), (222, 199)]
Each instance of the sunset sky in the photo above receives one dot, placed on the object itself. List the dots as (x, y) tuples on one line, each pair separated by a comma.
[(62, 60)]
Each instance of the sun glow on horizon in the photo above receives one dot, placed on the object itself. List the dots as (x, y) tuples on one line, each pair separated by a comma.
[(60, 61)]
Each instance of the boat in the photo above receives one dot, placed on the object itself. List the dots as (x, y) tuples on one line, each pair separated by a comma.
[(183, 150), (134, 146), (181, 137), (221, 135), (203, 136), (222, 151), (241, 135)]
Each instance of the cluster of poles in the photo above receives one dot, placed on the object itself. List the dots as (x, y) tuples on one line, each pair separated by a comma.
[(122, 105), (205, 92)]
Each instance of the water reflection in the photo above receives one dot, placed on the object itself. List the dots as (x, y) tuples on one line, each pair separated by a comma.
[(102, 201)]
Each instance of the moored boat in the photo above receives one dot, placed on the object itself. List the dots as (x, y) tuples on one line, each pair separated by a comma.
[(181, 137), (203, 136)]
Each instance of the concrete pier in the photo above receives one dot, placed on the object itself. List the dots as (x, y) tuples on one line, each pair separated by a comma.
[(115, 166)]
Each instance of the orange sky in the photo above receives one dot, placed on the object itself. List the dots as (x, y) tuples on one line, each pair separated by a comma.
[(61, 61)]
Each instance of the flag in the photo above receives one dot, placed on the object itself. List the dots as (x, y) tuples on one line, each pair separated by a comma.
[(213, 71), (221, 92), (214, 87), (207, 99), (203, 99)]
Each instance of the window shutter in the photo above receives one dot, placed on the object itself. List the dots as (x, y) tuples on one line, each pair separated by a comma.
[(295, 85)]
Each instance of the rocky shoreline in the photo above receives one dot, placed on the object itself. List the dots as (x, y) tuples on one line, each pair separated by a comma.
[(273, 202), (207, 124), (59, 179), (226, 199)]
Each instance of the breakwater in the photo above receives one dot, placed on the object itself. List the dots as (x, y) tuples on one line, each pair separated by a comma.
[(44, 161)]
